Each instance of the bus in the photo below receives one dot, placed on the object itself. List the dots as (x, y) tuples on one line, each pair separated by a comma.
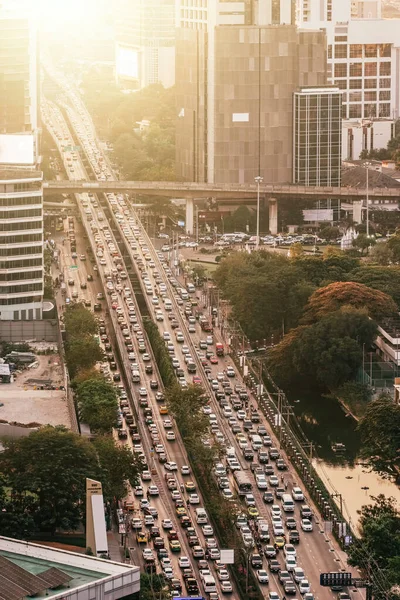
[(242, 483)]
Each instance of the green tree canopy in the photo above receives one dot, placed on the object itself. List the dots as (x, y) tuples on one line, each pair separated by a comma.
[(376, 552), (82, 353), (98, 404), (384, 279), (118, 465), (79, 321), (380, 436), (52, 465), (336, 295)]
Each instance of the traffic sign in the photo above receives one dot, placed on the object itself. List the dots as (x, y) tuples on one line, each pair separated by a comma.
[(73, 266), (333, 579)]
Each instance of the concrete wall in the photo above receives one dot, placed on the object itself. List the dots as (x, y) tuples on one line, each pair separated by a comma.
[(24, 331), (13, 431)]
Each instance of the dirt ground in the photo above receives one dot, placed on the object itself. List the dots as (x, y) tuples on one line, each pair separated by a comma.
[(25, 403)]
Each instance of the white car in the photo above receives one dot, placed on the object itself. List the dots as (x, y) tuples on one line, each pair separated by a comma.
[(290, 563), (194, 499), (184, 562), (289, 550), (208, 531), (227, 494), (278, 528), (304, 586), (136, 523), (185, 470), (297, 494), (306, 525), (166, 562), (168, 572), (298, 574), (274, 481), (261, 482), (226, 587), (167, 524), (171, 466), (276, 511), (145, 475), (262, 576), (153, 490)]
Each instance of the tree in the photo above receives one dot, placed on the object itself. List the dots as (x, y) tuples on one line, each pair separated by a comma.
[(82, 353), (382, 254), (153, 586), (394, 245), (186, 407), (380, 436), (79, 321), (50, 464), (384, 279), (336, 295), (330, 233), (330, 350), (376, 552), (363, 242), (118, 465), (98, 404)]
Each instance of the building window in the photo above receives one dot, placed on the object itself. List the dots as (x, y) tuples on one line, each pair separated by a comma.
[(341, 51), (354, 111), (356, 51), (370, 83), (384, 110), (355, 69), (340, 70), (330, 51), (355, 96), (385, 50), (385, 83), (370, 69), (385, 68), (370, 96), (371, 50), (355, 84), (340, 38), (384, 95), (369, 111), (342, 84)]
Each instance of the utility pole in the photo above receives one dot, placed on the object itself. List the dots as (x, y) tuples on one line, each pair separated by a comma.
[(258, 180)]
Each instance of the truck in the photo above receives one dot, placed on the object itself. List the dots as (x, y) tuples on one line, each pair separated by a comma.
[(219, 349), (205, 324), (63, 288)]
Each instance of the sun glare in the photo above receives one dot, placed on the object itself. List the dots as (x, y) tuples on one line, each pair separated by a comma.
[(64, 14)]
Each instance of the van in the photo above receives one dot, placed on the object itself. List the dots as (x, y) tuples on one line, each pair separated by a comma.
[(201, 516), (287, 503), (190, 288), (135, 376), (256, 442), (209, 584)]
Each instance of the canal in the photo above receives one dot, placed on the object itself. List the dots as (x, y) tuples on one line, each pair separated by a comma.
[(325, 423)]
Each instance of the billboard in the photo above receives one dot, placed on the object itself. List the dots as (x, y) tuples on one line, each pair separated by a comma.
[(127, 62), (17, 149)]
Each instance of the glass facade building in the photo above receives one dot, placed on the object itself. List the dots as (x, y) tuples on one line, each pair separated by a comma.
[(317, 127)]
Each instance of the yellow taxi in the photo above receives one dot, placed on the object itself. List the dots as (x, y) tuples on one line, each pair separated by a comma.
[(279, 541), (253, 512), (175, 546), (141, 537), (163, 410), (190, 487), (181, 511)]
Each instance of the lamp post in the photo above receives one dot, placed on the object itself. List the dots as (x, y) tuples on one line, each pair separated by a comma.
[(258, 180), (367, 216)]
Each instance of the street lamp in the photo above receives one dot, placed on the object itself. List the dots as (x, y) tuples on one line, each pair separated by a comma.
[(367, 164), (258, 180)]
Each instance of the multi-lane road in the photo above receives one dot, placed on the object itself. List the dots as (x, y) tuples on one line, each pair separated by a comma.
[(316, 553)]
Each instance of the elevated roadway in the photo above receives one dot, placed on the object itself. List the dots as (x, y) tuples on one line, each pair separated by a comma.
[(223, 193)]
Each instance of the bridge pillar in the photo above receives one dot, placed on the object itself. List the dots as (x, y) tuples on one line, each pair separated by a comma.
[(189, 223), (273, 215)]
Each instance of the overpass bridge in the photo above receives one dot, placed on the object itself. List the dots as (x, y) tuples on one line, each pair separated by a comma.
[(222, 192)]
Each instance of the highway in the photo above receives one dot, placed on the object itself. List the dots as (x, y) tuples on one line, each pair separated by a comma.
[(316, 553)]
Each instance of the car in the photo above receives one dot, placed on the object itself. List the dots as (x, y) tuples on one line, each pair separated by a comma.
[(198, 552), (141, 537), (223, 574), (274, 565), (268, 497), (273, 596), (167, 524), (190, 486), (289, 550), (174, 545), (253, 512), (298, 575), (306, 525), (171, 466), (168, 573), (136, 523), (226, 587), (227, 493), (289, 587), (342, 595), (170, 435), (194, 499), (262, 576), (279, 541), (284, 576), (185, 470), (270, 551), (184, 562), (291, 523), (153, 490), (145, 475), (290, 563), (276, 510), (297, 494), (273, 481), (305, 512), (294, 536), (304, 586), (208, 531)]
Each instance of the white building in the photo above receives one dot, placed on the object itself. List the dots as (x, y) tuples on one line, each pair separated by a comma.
[(21, 244), (364, 62), (144, 42)]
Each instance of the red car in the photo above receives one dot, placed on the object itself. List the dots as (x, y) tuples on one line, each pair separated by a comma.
[(114, 305), (213, 360), (196, 380)]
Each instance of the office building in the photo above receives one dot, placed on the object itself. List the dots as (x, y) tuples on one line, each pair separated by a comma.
[(235, 81), (364, 62), (29, 569), (144, 42), (317, 127), (21, 244), (21, 200)]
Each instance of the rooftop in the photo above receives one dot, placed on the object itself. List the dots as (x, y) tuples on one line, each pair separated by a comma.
[(356, 177), (27, 569)]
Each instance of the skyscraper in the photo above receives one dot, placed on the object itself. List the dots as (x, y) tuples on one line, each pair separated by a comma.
[(21, 201), (317, 132), (145, 42), (236, 72), (364, 62)]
